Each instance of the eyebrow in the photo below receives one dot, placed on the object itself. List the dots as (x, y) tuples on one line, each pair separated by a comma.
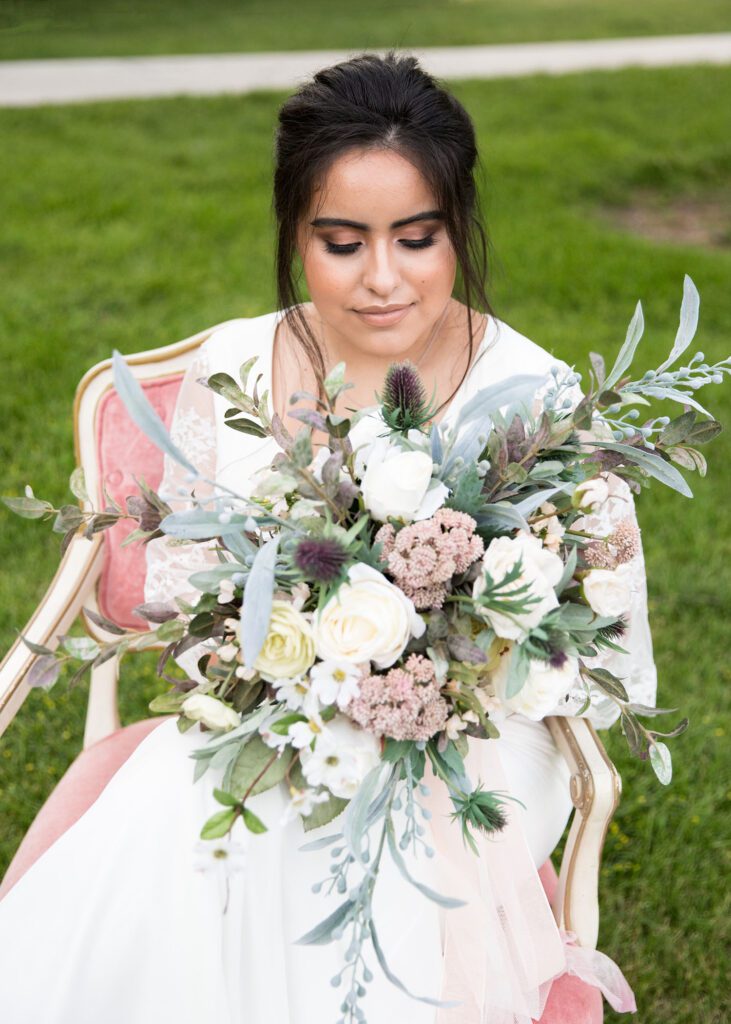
[(336, 222)]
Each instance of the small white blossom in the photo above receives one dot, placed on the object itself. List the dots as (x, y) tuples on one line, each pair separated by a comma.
[(336, 682), (302, 803)]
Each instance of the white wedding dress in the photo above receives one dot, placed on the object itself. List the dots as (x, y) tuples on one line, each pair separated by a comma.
[(122, 919)]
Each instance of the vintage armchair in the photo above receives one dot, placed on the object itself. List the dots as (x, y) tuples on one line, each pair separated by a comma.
[(99, 575)]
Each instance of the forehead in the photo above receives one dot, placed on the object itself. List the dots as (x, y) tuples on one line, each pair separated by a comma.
[(373, 186)]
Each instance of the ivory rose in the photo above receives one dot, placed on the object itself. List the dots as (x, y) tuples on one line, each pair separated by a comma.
[(398, 483), (541, 572), (608, 591), (368, 619), (542, 690), (200, 707), (288, 649)]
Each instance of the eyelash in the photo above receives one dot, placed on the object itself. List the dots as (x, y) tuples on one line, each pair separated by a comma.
[(351, 247)]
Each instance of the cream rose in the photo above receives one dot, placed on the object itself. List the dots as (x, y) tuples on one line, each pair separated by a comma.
[(289, 648), (368, 619), (541, 572), (200, 707), (608, 591), (543, 688), (399, 483)]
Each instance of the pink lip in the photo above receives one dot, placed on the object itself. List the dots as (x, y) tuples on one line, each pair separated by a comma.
[(384, 319)]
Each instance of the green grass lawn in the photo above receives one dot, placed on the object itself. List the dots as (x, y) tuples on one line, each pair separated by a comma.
[(132, 225), (73, 28)]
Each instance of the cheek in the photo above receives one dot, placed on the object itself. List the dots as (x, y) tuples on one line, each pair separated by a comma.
[(327, 276), (436, 270)]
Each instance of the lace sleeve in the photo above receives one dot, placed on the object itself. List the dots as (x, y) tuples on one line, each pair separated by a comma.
[(170, 562)]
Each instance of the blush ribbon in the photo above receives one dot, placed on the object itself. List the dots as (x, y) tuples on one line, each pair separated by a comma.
[(503, 948)]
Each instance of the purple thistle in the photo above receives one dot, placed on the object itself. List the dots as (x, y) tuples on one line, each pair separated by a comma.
[(403, 399), (320, 559)]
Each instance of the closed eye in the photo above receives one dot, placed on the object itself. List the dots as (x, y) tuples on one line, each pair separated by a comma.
[(351, 247)]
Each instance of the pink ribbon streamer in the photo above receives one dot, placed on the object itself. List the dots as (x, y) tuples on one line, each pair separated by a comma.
[(596, 968), (503, 948)]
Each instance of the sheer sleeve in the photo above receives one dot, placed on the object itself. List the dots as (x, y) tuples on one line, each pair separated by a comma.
[(170, 562)]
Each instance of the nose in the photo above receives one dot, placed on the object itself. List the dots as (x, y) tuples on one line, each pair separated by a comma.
[(381, 274)]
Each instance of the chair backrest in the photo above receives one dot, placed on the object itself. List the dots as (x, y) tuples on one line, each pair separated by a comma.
[(114, 454)]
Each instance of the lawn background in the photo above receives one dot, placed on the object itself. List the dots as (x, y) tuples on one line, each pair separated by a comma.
[(131, 225), (77, 28)]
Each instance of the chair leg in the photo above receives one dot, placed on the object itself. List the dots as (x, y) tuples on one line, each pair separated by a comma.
[(102, 712)]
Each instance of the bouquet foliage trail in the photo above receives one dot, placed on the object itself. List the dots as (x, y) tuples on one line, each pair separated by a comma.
[(381, 600)]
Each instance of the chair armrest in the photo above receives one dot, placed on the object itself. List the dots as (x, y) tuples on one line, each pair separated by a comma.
[(74, 580), (596, 786)]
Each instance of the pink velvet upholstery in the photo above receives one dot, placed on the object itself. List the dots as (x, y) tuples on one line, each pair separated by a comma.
[(570, 1001), (125, 453)]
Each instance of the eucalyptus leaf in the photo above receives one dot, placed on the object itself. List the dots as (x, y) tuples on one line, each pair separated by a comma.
[(142, 413), (250, 762), (257, 606), (627, 351), (448, 902), (689, 308), (44, 672), (661, 761), (28, 508), (322, 933), (652, 464)]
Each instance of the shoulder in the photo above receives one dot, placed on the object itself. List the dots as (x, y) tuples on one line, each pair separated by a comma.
[(519, 352), (233, 341)]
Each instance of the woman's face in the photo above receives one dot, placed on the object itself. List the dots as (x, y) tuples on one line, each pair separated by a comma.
[(357, 256)]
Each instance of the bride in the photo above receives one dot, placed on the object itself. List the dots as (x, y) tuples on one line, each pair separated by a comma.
[(128, 917)]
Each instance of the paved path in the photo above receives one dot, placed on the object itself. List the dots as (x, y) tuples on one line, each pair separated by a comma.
[(33, 82)]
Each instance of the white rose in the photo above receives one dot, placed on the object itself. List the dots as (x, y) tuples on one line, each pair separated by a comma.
[(608, 591), (399, 483), (288, 649), (368, 619), (210, 711), (363, 435), (343, 756), (541, 572), (542, 690), (591, 494)]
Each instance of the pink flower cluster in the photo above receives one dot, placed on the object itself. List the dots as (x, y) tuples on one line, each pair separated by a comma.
[(423, 556), (404, 703)]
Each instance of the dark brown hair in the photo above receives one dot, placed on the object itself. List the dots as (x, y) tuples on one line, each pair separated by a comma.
[(388, 102)]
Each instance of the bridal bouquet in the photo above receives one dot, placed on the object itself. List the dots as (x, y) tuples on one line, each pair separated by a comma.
[(381, 597)]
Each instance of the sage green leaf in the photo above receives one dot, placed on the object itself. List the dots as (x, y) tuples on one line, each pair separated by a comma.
[(227, 799), (166, 703), (325, 812), (218, 824), (77, 484), (257, 606), (661, 761), (44, 672), (627, 351), (250, 762), (28, 508), (142, 413), (689, 308), (651, 463), (322, 933), (253, 823), (80, 647), (380, 956)]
